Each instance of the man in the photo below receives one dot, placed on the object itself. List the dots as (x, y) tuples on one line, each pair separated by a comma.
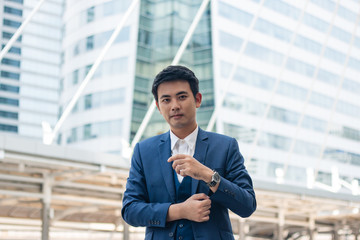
[(182, 183)]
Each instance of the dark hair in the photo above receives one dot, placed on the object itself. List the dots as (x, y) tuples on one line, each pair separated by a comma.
[(172, 73)]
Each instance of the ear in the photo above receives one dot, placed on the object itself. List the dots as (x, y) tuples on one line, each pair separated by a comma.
[(198, 99), (157, 105)]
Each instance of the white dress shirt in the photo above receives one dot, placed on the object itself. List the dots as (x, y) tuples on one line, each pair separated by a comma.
[(183, 146)]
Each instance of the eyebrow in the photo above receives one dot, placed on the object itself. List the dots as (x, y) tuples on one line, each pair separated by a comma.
[(177, 94), (181, 93)]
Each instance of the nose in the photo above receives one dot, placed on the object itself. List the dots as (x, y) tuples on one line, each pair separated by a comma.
[(175, 106)]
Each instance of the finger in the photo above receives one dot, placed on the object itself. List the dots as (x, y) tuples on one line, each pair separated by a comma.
[(179, 170), (206, 213), (182, 172), (176, 164), (205, 218), (206, 204), (200, 196), (177, 157)]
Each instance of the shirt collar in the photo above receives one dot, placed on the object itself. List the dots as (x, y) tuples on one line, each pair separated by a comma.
[(190, 139)]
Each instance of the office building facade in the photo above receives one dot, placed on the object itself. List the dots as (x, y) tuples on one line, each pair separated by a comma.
[(293, 97), (288, 71), (30, 71)]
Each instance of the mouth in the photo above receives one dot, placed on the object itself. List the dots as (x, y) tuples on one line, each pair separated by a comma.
[(176, 116)]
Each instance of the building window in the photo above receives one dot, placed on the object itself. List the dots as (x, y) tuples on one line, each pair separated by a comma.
[(8, 35), (354, 64), (8, 128), (292, 91), (274, 141), (328, 5), (76, 49), (16, 1), (6, 74), (88, 101), (6, 114), (13, 11), (75, 77), (328, 77), (9, 101), (315, 23), (283, 8), (348, 109), (308, 44), (321, 100), (9, 88), (335, 56), (90, 14), (273, 30), (300, 67), (254, 79), (342, 156), (90, 43), (230, 41), (341, 34), (15, 50), (284, 115), (11, 62), (73, 136), (93, 130), (314, 124), (323, 177), (263, 54), (11, 23), (351, 85), (87, 132), (234, 14), (346, 14), (87, 69), (307, 148), (240, 133)]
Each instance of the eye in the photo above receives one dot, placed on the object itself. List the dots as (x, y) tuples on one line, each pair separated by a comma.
[(165, 100), (182, 97)]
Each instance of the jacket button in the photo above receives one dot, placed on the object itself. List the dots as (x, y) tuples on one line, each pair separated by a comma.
[(181, 225), (171, 234)]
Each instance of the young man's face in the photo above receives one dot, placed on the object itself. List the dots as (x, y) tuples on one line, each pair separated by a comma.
[(177, 105)]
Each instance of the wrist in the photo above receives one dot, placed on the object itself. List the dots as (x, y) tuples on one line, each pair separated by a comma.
[(208, 175), (174, 212), (215, 179)]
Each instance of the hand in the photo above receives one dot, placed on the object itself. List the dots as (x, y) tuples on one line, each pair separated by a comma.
[(197, 208), (185, 165)]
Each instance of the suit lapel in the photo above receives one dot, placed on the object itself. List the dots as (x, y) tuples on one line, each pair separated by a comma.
[(200, 154), (167, 171)]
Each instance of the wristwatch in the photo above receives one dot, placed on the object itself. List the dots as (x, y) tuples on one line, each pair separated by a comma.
[(215, 179)]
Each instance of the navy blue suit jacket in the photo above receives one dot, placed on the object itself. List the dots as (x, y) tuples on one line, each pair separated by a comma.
[(150, 188)]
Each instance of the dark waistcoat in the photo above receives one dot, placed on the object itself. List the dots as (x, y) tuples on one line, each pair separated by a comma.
[(183, 191)]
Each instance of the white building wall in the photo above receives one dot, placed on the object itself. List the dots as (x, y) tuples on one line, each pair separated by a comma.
[(301, 129), (112, 113)]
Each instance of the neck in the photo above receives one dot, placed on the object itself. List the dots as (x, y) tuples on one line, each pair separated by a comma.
[(183, 133)]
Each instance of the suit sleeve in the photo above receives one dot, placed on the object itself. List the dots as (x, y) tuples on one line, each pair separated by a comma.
[(137, 209), (235, 190)]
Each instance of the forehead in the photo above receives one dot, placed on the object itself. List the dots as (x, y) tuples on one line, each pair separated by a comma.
[(173, 87)]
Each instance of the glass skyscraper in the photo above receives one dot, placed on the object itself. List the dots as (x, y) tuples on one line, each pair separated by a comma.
[(162, 27), (30, 71)]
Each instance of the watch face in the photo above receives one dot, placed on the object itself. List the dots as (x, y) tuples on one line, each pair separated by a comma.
[(216, 177)]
